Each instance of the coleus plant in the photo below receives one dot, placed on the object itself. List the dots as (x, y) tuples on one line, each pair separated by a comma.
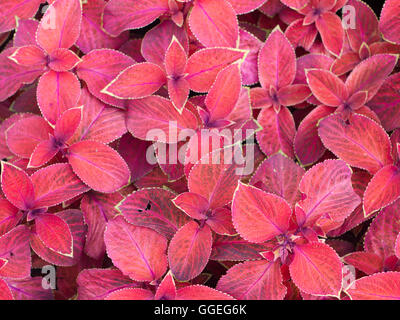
[(124, 213)]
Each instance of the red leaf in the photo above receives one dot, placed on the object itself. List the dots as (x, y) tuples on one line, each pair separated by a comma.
[(138, 252), (120, 15), (29, 56), (23, 137), (224, 93), (98, 166), (97, 209), (278, 132), (56, 93), (204, 65), (279, 175), (157, 40), (20, 8), (316, 269), (193, 204), (67, 124), (153, 208), (17, 186), (92, 36), (370, 74), (277, 61), (189, 251), (5, 291), (383, 190), (55, 184), (383, 231), (389, 22), (214, 23), (99, 122), (95, 284), (307, 144), (200, 292), (9, 216), (138, 81), (221, 179), (246, 6), (361, 143), (130, 294), (154, 119), (327, 87), (380, 286), (60, 25), (331, 30), (235, 248), (75, 223), (254, 280), (166, 290), (63, 60), (55, 234), (98, 68), (328, 190), (259, 216), (15, 252), (367, 262)]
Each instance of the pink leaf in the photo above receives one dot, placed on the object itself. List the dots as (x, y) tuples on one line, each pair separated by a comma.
[(383, 190), (60, 25), (67, 124), (204, 65), (17, 186), (157, 40), (55, 184), (98, 68), (367, 262), (189, 251), (15, 251), (370, 74), (389, 22), (254, 280), (193, 204), (281, 176), (259, 216), (120, 15), (277, 61), (55, 234), (316, 269), (361, 142), (380, 286), (154, 118), (5, 291), (92, 36), (97, 209), (153, 208), (200, 292), (29, 56), (328, 190), (138, 252), (63, 60), (327, 87), (75, 223), (99, 122), (383, 231), (20, 8), (278, 132), (99, 166), (138, 81), (9, 216), (214, 23), (23, 137), (331, 30), (56, 93), (307, 144), (25, 32), (130, 294)]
